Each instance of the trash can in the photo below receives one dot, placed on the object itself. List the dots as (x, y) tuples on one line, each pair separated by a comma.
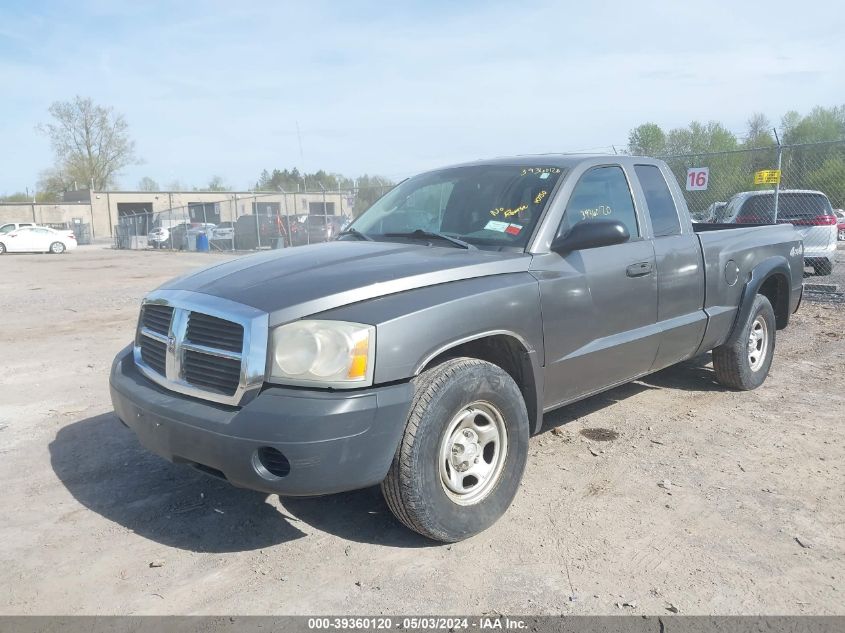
[(191, 241), (202, 242)]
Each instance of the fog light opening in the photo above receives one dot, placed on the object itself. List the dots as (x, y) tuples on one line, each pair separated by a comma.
[(271, 463)]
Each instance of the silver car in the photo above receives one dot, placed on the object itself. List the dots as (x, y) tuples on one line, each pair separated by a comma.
[(809, 211)]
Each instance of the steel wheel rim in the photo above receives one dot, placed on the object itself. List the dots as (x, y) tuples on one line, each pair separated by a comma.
[(758, 343), (472, 454)]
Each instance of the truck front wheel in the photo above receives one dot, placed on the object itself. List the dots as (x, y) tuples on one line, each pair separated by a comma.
[(743, 362), (461, 459)]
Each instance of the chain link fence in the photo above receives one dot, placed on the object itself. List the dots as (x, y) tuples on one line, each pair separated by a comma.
[(246, 221), (803, 185)]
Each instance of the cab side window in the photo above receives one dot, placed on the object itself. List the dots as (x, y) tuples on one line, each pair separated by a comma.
[(661, 206), (601, 194)]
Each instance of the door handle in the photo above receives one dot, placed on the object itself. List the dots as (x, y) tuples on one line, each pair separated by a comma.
[(639, 269)]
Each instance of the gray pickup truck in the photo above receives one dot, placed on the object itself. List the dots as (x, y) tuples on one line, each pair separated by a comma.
[(421, 349)]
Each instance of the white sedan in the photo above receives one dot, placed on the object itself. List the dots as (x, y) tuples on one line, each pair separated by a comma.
[(37, 239)]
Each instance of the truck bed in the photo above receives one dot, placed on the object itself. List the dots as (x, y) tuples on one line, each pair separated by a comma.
[(746, 246)]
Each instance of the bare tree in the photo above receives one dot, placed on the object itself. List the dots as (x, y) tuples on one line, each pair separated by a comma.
[(216, 184), (148, 184), (91, 145)]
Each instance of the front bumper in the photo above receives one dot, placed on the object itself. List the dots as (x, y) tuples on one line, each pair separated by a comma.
[(333, 440)]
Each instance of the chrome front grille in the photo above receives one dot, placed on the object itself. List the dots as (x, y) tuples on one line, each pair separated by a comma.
[(202, 346), (154, 354), (215, 373), (210, 331), (156, 317)]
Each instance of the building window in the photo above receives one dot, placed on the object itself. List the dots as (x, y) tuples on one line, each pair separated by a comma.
[(320, 208), (269, 209), (205, 212)]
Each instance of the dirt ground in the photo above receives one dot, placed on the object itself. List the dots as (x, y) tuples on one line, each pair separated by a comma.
[(750, 519)]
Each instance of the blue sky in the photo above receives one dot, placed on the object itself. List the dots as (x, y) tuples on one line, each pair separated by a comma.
[(393, 88)]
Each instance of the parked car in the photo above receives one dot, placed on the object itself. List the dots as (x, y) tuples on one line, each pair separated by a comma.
[(37, 239), (159, 237), (840, 223), (315, 229), (421, 349), (713, 213), (809, 211), (223, 231), (14, 226)]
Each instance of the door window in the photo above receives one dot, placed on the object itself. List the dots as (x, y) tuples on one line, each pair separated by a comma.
[(601, 194), (661, 206)]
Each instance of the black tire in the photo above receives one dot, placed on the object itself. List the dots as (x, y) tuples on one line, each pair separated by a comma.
[(733, 360), (413, 488), (2, 248), (823, 268), (57, 248)]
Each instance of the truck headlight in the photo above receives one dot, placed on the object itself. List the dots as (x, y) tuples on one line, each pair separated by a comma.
[(323, 353)]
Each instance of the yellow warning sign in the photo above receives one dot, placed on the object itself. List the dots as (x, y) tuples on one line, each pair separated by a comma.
[(767, 177)]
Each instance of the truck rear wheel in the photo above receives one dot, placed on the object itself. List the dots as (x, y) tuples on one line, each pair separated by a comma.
[(463, 453), (744, 361)]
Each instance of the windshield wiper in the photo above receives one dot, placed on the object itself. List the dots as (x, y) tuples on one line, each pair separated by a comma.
[(356, 233), (420, 234)]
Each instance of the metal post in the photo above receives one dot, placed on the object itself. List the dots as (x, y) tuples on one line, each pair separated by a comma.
[(108, 211), (325, 212), (777, 184), (255, 215), (234, 216), (287, 237)]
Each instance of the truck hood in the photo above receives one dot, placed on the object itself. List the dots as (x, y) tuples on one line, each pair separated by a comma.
[(296, 282)]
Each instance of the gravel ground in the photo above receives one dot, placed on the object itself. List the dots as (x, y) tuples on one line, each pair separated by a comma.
[(713, 501)]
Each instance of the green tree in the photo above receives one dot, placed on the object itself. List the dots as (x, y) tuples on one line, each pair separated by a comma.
[(368, 190), (18, 196), (647, 139), (830, 178), (820, 125), (291, 180), (90, 143), (708, 145), (700, 138)]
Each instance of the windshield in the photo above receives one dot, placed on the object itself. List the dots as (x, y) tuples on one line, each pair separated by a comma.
[(492, 205)]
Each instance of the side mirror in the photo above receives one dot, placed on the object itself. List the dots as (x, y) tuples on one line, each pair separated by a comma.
[(591, 234)]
